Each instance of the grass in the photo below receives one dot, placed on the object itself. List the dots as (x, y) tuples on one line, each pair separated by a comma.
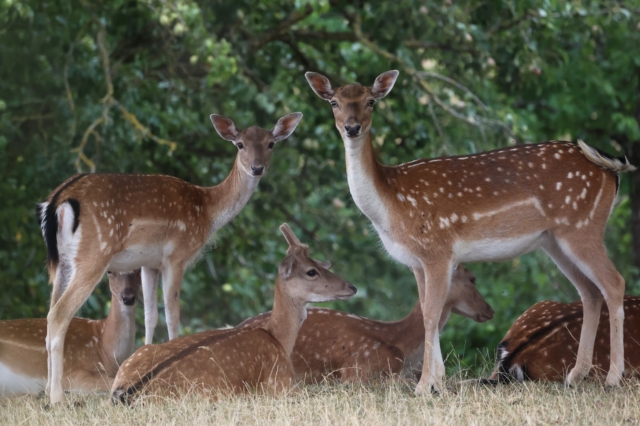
[(341, 404)]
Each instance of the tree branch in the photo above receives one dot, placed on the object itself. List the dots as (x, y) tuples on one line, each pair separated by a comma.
[(262, 39)]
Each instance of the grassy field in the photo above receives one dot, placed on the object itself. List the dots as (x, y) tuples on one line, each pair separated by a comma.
[(338, 404)]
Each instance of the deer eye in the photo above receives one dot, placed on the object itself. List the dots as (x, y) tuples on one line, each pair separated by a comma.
[(240, 145), (371, 102), (312, 272), (473, 281), (334, 104), (270, 145)]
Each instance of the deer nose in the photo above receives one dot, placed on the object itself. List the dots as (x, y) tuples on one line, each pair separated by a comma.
[(257, 171), (352, 288), (352, 130), (128, 299)]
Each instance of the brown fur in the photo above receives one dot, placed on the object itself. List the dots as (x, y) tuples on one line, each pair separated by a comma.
[(542, 343), (93, 350), (434, 213), (236, 360)]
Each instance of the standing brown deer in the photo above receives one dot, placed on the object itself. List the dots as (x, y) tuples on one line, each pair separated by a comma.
[(542, 343), (432, 214), (237, 360), (122, 222), (93, 350), (339, 345)]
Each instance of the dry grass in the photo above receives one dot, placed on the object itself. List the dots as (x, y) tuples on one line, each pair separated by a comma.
[(338, 404)]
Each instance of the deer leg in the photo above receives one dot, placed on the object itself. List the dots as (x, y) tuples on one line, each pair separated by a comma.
[(592, 302), (150, 296), (593, 262), (435, 288), (171, 283), (81, 285)]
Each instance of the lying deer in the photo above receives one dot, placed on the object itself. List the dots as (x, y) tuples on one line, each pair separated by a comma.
[(237, 360), (93, 350), (121, 222), (338, 345), (432, 214), (542, 343)]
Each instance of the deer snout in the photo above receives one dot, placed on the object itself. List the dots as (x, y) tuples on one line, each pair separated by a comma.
[(485, 315), (352, 130), (129, 299), (257, 170)]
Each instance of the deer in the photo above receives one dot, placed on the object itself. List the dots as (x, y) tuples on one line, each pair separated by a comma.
[(93, 350), (431, 214), (237, 360), (121, 222), (338, 345), (541, 344)]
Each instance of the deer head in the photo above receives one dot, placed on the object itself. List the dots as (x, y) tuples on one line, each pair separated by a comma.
[(352, 104), (307, 279), (464, 298), (255, 145), (125, 287)]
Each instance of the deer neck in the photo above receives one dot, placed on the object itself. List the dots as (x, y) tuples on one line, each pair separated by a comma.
[(408, 333), (116, 335), (367, 181), (287, 316), (227, 199)]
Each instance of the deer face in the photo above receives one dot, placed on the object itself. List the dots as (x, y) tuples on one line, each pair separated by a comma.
[(125, 286), (352, 104), (309, 280), (465, 298), (255, 145)]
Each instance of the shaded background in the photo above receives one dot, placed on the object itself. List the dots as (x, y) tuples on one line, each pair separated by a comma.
[(127, 86)]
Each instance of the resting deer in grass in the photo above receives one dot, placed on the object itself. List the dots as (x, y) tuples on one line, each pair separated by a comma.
[(93, 350), (237, 360), (122, 222), (542, 343), (432, 214), (347, 347)]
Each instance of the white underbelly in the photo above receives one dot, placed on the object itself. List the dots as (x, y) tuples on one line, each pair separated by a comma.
[(397, 250), (494, 249), (12, 383), (135, 257)]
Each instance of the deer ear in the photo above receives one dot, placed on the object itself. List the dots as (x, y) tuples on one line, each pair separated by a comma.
[(384, 83), (324, 263), (225, 127), (320, 84), (291, 238), (285, 126), (286, 266)]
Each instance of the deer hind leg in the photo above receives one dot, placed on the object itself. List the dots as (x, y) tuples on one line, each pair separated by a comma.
[(433, 293), (592, 302), (171, 283), (84, 280), (150, 296), (592, 260)]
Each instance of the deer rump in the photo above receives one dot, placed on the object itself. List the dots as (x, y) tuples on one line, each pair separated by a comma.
[(545, 348), (211, 363)]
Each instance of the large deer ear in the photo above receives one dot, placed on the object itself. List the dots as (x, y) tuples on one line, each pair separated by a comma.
[(285, 126), (286, 266), (384, 83), (320, 84), (225, 127)]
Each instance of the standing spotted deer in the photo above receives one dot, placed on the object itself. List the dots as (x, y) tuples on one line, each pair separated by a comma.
[(339, 345), (122, 222), (542, 343), (237, 360), (432, 214), (93, 351)]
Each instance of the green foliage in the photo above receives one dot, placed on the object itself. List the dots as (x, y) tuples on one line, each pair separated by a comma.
[(473, 76)]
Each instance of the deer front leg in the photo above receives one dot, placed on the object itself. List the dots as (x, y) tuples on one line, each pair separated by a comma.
[(171, 284), (150, 295), (435, 288)]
